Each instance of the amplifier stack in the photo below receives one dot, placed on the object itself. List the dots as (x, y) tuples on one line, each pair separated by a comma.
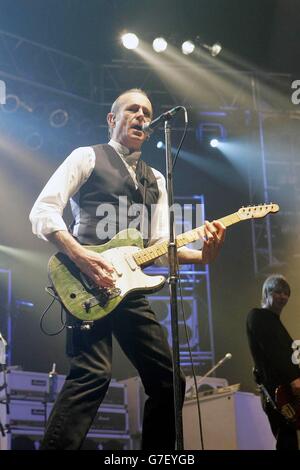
[(25, 408)]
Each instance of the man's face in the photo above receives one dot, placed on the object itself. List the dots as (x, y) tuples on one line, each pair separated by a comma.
[(133, 111), (277, 300)]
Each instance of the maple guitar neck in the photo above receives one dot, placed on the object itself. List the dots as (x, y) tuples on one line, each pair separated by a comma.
[(150, 254)]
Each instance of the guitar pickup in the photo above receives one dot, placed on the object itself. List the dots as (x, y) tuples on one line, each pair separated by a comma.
[(87, 282), (101, 298)]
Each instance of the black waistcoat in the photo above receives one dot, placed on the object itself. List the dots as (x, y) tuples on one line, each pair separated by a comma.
[(109, 193)]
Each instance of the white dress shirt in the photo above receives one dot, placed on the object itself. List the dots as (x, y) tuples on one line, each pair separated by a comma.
[(46, 215)]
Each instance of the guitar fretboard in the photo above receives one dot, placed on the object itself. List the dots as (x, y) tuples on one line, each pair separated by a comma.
[(150, 254)]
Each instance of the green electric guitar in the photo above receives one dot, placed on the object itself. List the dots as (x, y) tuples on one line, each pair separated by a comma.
[(125, 252)]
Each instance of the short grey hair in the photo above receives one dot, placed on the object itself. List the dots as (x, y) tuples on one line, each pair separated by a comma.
[(116, 103)]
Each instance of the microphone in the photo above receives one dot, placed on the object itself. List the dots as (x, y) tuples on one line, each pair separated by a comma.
[(149, 127), (191, 391), (225, 358)]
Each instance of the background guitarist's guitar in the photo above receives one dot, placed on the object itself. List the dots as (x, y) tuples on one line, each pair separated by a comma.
[(288, 405), (125, 252)]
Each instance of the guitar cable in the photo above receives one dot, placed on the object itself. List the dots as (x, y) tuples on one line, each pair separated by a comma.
[(50, 290)]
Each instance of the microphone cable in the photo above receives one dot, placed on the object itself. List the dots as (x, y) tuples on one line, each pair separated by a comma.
[(183, 135)]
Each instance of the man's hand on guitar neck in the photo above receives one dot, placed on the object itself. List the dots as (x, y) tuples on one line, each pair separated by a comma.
[(90, 263), (213, 239), (213, 236)]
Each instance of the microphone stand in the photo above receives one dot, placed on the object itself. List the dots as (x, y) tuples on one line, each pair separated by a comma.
[(173, 278)]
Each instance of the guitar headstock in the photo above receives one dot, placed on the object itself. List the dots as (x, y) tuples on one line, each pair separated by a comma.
[(256, 212)]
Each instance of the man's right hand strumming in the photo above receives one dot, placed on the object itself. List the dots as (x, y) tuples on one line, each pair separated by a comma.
[(90, 263), (96, 268)]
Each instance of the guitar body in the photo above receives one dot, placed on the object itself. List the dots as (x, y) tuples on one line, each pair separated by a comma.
[(88, 302), (288, 405)]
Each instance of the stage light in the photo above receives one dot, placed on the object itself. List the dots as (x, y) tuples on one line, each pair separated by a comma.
[(214, 50), (188, 47), (214, 143), (159, 144), (130, 40), (159, 45), (58, 118), (211, 133), (34, 140), (13, 103)]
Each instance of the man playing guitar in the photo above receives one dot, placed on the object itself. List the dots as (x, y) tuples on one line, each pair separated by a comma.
[(271, 349)]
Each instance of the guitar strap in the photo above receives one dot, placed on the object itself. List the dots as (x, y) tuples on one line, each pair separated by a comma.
[(262, 388), (267, 396)]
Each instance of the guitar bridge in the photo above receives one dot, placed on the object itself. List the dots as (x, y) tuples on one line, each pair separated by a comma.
[(102, 298)]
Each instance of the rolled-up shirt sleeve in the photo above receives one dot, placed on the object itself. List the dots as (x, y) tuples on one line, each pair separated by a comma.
[(46, 215)]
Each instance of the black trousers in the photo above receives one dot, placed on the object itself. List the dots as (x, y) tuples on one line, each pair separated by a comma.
[(142, 339)]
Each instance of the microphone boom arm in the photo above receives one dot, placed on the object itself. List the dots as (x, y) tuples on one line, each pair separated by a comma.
[(149, 127)]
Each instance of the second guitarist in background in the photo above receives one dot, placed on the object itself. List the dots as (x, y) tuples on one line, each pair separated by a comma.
[(271, 349), (92, 177)]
